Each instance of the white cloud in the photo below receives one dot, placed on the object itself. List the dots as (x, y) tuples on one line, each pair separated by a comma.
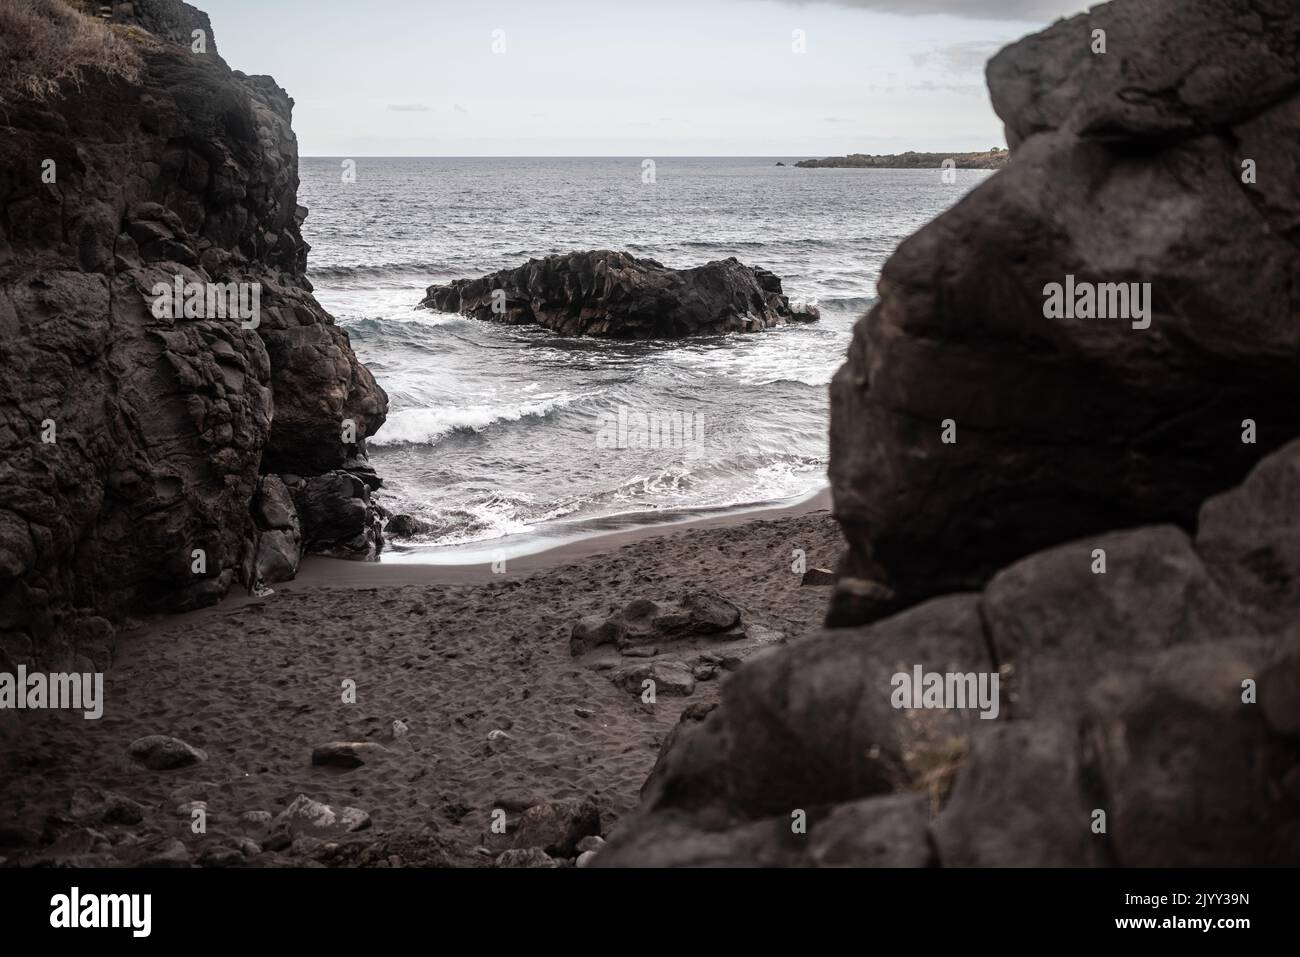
[(1033, 11), (958, 58)]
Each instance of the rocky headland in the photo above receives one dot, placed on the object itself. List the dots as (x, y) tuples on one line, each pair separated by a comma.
[(993, 159), (968, 429), (613, 294), (153, 457)]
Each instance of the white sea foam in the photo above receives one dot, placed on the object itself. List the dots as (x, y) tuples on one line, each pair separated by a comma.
[(492, 429), (427, 426)]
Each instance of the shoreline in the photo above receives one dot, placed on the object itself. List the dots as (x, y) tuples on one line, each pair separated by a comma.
[(496, 707), (318, 571), (545, 538), (321, 570)]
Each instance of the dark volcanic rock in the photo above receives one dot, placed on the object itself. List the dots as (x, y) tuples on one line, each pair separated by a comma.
[(699, 614), (557, 826), (814, 577), (888, 831), (1058, 626), (603, 293), (1155, 720), (1193, 773), (813, 723), (1020, 802), (408, 526), (670, 678), (337, 516), (306, 817), (1250, 538), (278, 534), (673, 841), (105, 807), (159, 752), (529, 857), (348, 754), (129, 441), (1128, 168)]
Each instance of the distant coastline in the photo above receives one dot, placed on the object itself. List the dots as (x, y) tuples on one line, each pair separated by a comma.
[(993, 159)]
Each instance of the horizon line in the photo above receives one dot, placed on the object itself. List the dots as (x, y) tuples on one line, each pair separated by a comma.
[(604, 155)]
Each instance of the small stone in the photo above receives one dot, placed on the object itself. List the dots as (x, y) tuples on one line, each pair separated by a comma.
[(106, 807), (517, 801), (585, 858), (280, 839), (408, 526), (584, 712), (258, 818), (249, 847), (305, 846), (530, 857), (588, 633), (400, 729), (189, 807), (709, 612), (592, 842), (158, 752), (306, 815), (671, 678), (499, 741), (220, 856), (557, 826), (815, 577), (174, 854), (347, 754)]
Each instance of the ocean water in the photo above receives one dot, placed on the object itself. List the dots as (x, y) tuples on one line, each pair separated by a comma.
[(494, 433)]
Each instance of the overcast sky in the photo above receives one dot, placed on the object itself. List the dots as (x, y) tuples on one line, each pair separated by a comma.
[(630, 77)]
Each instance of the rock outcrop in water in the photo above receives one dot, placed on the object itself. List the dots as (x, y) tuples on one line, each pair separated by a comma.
[(603, 293), (133, 437), (1164, 693), (1146, 710), (1170, 160)]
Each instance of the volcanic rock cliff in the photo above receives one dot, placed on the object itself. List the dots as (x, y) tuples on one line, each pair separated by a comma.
[(1148, 708), (968, 429), (136, 449)]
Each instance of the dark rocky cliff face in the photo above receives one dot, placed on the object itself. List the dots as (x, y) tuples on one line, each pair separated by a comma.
[(1164, 694), (128, 441), (1149, 679), (1130, 166)]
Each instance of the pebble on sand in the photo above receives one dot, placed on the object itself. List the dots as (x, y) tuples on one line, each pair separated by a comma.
[(158, 752), (347, 754), (306, 814)]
